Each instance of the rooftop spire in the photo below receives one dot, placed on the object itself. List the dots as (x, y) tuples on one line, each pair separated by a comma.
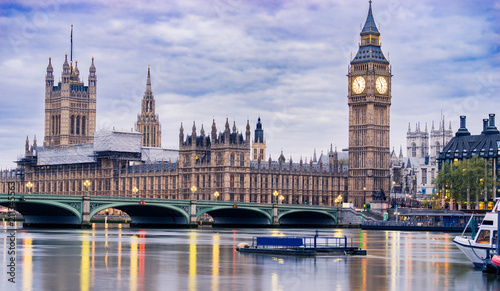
[(148, 83), (370, 26), (71, 59)]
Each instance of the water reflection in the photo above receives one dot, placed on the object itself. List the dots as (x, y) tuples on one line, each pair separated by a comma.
[(27, 264), (215, 262), (205, 259), (133, 262), (192, 261), (85, 264)]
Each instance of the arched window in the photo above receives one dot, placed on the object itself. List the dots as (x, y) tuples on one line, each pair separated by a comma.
[(77, 130), (83, 125), (72, 130), (413, 150), (232, 159)]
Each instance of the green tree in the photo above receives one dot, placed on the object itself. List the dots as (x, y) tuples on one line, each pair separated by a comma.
[(466, 179)]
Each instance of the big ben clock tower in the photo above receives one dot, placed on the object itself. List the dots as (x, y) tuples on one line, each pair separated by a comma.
[(369, 100)]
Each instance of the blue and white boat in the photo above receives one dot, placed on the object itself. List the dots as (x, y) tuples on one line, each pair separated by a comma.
[(479, 248)]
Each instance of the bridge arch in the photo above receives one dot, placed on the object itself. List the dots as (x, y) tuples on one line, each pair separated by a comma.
[(305, 217), (47, 213), (230, 215), (148, 214)]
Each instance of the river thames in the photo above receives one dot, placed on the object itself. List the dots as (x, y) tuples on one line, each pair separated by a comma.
[(206, 259)]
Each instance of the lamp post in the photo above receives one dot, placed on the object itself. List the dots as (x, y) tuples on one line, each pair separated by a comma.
[(29, 185), (135, 190), (87, 185), (281, 198), (338, 200), (193, 189), (216, 194), (275, 194)]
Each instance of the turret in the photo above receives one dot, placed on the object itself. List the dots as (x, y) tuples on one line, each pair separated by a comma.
[(193, 135), (214, 132), (34, 143), (49, 78), (247, 133), (181, 136), (92, 77), (66, 70), (27, 147)]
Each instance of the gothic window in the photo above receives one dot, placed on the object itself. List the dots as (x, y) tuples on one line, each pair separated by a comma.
[(413, 150), (422, 150), (232, 159), (231, 180), (255, 154), (242, 181), (83, 125), (242, 160), (173, 183), (77, 125), (424, 176), (72, 124)]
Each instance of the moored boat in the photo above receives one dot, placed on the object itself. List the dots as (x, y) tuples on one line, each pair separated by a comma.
[(479, 248), (301, 246)]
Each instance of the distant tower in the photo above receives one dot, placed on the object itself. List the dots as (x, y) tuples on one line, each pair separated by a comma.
[(439, 138), (417, 142), (259, 143), (369, 100), (148, 122), (70, 107)]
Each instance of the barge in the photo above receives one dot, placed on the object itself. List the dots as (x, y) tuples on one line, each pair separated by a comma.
[(301, 246)]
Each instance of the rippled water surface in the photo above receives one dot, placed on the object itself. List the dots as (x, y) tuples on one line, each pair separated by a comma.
[(206, 259)]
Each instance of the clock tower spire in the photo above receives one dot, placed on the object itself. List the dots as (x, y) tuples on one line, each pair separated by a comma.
[(369, 100)]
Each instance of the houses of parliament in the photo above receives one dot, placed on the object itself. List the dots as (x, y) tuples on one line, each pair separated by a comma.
[(222, 159)]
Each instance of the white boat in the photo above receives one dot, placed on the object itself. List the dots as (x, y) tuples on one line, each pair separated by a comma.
[(479, 248)]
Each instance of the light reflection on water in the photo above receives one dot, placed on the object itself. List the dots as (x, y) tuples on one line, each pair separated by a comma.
[(206, 259)]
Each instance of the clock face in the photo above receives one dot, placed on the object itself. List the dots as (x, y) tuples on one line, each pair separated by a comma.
[(358, 85), (381, 85)]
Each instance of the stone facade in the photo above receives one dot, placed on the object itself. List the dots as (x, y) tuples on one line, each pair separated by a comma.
[(218, 162), (70, 107)]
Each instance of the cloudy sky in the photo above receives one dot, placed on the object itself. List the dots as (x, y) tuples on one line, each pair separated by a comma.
[(285, 61)]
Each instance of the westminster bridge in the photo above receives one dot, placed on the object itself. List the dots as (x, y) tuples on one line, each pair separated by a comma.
[(71, 210)]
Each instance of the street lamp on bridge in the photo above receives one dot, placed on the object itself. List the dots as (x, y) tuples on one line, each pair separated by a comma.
[(216, 194), (281, 198), (29, 185), (87, 185), (193, 189), (275, 194), (338, 200), (135, 190)]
